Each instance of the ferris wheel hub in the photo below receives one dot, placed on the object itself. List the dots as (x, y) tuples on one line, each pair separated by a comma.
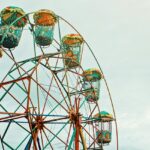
[(73, 115), (38, 123)]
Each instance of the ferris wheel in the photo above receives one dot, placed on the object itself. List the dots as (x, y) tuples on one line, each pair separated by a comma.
[(54, 97)]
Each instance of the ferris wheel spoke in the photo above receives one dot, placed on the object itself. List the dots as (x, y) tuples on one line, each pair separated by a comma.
[(54, 108), (64, 76), (68, 135), (30, 104), (55, 135), (37, 90), (90, 136), (55, 77), (52, 80), (46, 99), (77, 84), (6, 119), (91, 113), (58, 119), (75, 72), (61, 93), (13, 81), (41, 134), (95, 141), (12, 113), (77, 99), (93, 132), (68, 95), (42, 88), (46, 139), (49, 94), (67, 89)]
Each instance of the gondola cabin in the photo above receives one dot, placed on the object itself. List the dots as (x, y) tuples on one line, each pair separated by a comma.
[(91, 84), (45, 21), (103, 125), (13, 20), (72, 47)]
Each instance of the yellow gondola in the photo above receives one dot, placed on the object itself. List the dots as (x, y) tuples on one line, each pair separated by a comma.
[(91, 85), (103, 127), (45, 21), (13, 19), (72, 45)]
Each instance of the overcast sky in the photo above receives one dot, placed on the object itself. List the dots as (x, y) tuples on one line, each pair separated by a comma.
[(119, 33)]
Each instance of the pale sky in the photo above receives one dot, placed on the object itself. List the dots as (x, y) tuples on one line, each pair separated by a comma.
[(119, 34)]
